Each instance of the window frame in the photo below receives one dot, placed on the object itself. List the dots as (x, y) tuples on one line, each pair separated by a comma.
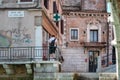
[(77, 35), (93, 36), (31, 2)]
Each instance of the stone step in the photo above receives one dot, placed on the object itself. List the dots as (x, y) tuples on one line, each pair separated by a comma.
[(65, 76), (111, 68), (70, 76)]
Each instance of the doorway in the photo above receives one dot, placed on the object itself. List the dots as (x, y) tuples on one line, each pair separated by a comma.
[(93, 60)]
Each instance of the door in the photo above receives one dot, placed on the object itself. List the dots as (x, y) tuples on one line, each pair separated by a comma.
[(93, 60)]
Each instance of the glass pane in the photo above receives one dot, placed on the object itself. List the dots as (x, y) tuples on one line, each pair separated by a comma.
[(90, 53), (25, 0), (74, 34), (91, 36), (95, 36)]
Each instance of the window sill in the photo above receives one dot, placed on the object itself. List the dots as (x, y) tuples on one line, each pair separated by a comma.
[(74, 40), (26, 2)]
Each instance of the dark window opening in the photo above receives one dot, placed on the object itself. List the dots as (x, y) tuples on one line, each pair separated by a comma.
[(46, 4), (113, 55), (62, 27), (57, 23), (54, 7)]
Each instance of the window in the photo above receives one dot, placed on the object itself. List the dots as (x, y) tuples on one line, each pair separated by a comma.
[(74, 34), (25, 0), (46, 4), (62, 26), (54, 7), (93, 35)]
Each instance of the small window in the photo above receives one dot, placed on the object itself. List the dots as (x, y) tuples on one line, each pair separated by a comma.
[(46, 4), (62, 26), (26, 0), (74, 34)]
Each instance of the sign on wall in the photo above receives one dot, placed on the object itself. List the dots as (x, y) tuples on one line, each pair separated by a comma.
[(15, 13)]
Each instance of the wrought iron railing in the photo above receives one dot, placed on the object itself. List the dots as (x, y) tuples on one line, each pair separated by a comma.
[(26, 54)]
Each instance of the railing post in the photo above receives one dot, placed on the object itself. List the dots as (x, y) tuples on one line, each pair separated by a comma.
[(31, 54), (10, 53)]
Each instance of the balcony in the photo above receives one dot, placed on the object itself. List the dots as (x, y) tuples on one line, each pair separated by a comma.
[(94, 44), (26, 54)]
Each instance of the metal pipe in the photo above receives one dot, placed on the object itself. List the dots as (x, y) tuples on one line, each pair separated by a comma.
[(108, 43)]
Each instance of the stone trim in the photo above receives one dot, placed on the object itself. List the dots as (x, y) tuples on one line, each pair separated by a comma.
[(70, 34), (81, 14), (93, 25)]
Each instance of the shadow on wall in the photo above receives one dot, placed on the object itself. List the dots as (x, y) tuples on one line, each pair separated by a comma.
[(77, 76), (81, 77)]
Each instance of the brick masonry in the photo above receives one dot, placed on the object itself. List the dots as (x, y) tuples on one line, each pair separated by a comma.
[(88, 17), (74, 60)]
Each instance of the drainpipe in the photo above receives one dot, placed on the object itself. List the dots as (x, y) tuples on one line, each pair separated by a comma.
[(108, 43)]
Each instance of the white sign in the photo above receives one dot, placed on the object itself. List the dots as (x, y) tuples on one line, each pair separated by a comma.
[(15, 13)]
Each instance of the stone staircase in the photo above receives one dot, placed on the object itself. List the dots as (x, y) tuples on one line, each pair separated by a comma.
[(74, 60), (66, 76), (111, 68)]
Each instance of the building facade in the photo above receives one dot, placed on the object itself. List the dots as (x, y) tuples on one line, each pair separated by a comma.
[(25, 28), (88, 35)]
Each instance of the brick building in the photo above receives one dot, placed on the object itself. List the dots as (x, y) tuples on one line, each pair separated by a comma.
[(26, 25), (25, 28), (87, 36)]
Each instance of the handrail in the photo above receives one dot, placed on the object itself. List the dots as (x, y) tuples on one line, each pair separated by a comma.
[(104, 60), (39, 53)]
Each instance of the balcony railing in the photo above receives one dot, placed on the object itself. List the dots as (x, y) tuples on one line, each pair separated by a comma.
[(20, 54), (94, 44)]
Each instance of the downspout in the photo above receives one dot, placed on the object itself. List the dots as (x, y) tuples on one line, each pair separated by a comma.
[(107, 43)]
